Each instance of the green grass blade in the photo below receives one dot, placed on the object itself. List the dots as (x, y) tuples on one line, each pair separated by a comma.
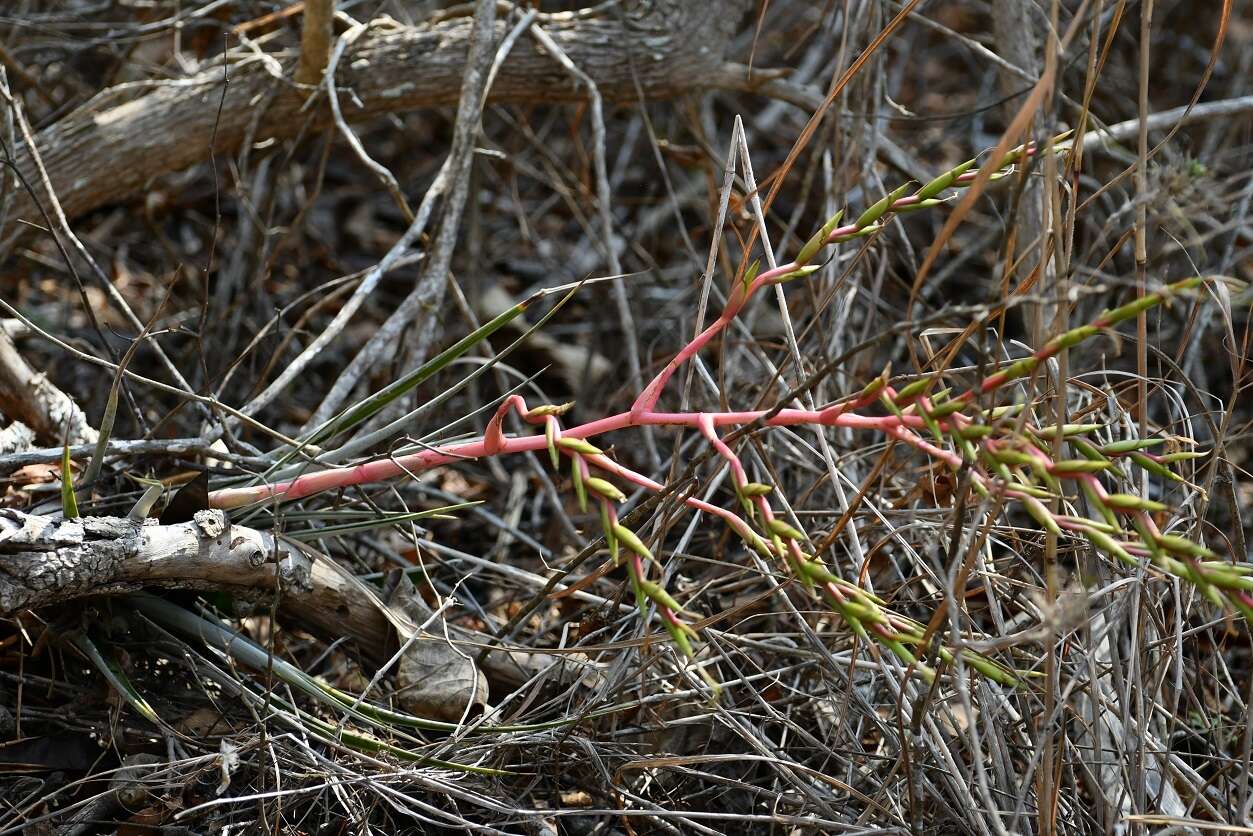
[(363, 410), (112, 671), (377, 521), (69, 504), (146, 502), (110, 413)]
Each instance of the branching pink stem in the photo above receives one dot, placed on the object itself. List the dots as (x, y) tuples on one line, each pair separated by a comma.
[(647, 400), (496, 443), (642, 413)]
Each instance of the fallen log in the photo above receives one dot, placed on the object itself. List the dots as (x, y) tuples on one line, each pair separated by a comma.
[(115, 145), (46, 561)]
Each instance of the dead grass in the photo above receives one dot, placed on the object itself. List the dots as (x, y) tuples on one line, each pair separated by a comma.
[(1140, 706)]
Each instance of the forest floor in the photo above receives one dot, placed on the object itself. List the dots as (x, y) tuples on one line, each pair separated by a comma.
[(285, 369)]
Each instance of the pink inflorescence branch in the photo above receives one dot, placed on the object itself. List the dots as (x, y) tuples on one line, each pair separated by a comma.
[(1004, 457)]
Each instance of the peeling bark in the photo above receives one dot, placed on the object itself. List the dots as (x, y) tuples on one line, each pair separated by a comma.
[(46, 561)]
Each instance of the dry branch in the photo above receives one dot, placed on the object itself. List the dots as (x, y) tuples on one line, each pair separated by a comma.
[(45, 561), (115, 145), (29, 397), (315, 40)]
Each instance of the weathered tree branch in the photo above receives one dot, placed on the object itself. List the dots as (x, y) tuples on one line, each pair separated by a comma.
[(115, 145), (44, 561), (29, 397)]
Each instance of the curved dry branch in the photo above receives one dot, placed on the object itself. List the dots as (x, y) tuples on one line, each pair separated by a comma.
[(46, 561), (115, 145), (29, 397)]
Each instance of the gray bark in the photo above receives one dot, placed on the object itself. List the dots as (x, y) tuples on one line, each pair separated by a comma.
[(29, 397), (47, 561), (116, 144)]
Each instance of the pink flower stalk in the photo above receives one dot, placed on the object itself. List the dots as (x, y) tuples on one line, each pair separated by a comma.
[(1001, 460), (495, 443)]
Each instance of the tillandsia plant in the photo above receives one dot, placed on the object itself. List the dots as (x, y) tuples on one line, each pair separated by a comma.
[(998, 450)]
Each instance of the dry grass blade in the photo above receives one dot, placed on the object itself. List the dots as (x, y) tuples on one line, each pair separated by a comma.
[(901, 490)]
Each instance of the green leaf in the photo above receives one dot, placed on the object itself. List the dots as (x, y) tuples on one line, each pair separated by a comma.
[(1129, 445), (946, 409), (610, 538), (782, 529), (815, 570), (1041, 514), (819, 239), (877, 385), (365, 409), (1182, 545), (1110, 546), (680, 640), (69, 504), (579, 445), (631, 541), (110, 413), (918, 207), (580, 490), (661, 596), (1116, 315), (1006, 411), (881, 207), (1009, 455), (1129, 502), (1072, 338), (1186, 456), (1080, 466), (914, 389), (1029, 490), (798, 273), (750, 274), (112, 671), (942, 182), (606, 489), (1155, 468)]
